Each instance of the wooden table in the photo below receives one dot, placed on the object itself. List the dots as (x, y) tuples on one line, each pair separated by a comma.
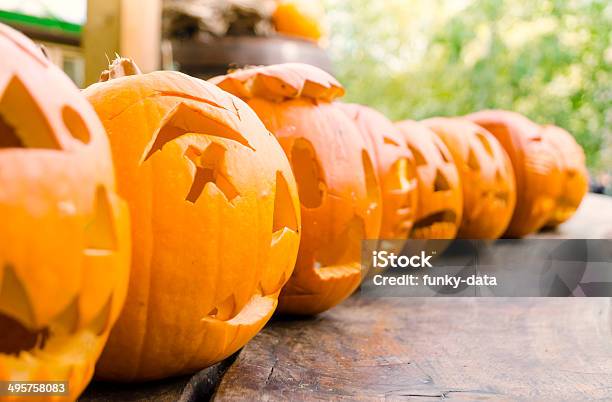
[(421, 348)]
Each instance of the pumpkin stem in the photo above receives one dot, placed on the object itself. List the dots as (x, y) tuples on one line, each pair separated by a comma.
[(120, 67)]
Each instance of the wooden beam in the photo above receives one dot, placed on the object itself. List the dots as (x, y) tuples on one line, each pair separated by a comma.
[(131, 28), (141, 32)]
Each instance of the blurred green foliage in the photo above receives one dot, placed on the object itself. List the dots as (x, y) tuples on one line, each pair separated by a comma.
[(550, 60)]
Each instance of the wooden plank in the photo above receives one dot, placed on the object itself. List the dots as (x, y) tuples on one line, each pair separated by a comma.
[(399, 348), (443, 348)]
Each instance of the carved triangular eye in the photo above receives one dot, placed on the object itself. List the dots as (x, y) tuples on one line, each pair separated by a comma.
[(443, 153), (100, 235), (285, 215), (418, 156), (8, 136), (485, 143), (440, 182), (372, 188), (75, 124), (390, 141), (188, 119), (307, 173), (19, 129), (472, 160)]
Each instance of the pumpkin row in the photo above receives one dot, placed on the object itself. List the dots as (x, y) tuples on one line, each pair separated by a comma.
[(162, 227)]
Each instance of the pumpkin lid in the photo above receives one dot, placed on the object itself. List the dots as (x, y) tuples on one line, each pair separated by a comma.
[(281, 81)]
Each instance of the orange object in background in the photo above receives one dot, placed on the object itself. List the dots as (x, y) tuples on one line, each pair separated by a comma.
[(337, 184), (216, 221), (536, 168), (396, 170), (440, 196), (574, 171), (487, 178), (299, 18), (64, 237)]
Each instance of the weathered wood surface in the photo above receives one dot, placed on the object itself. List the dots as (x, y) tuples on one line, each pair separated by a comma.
[(424, 348)]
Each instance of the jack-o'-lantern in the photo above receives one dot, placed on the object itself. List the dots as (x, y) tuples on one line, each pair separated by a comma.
[(64, 237), (215, 216), (337, 184), (573, 169), (535, 164), (396, 170), (487, 178), (440, 196)]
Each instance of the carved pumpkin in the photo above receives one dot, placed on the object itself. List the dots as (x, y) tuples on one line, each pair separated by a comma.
[(64, 237), (573, 169), (337, 183), (216, 221), (440, 195), (535, 164), (487, 178), (396, 170)]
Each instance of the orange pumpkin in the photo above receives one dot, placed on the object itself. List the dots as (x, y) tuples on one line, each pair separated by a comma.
[(535, 164), (64, 237), (299, 18), (573, 169), (396, 170), (440, 196), (487, 178), (215, 221), (337, 183)]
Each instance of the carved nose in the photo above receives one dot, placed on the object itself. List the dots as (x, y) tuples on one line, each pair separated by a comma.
[(472, 161), (441, 183)]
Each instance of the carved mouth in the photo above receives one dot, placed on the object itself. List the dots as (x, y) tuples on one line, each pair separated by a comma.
[(439, 225), (57, 348), (16, 338)]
